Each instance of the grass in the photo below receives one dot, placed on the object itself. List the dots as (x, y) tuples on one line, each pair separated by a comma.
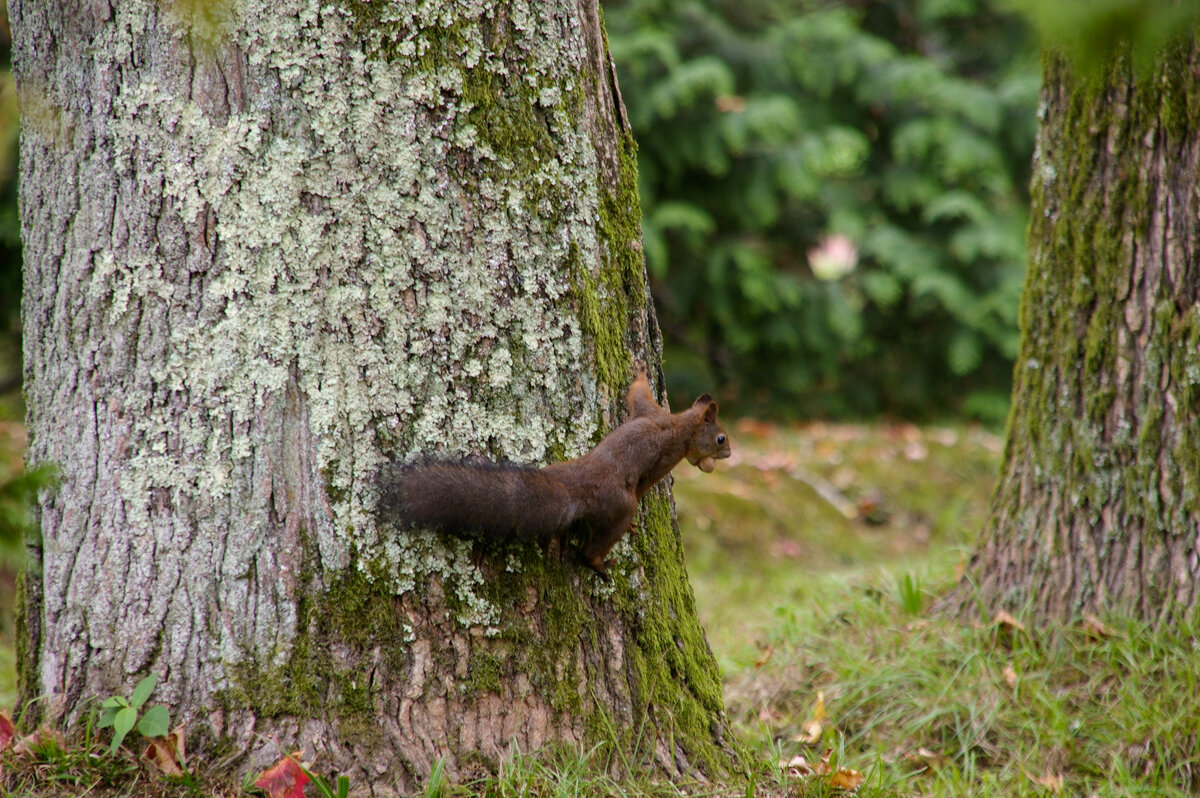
[(759, 537), (824, 628)]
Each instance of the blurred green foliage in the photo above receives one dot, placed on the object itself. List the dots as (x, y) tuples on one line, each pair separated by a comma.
[(896, 135), (18, 492), (1093, 32)]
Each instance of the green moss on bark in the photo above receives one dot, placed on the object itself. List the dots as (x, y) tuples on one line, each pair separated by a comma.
[(1099, 486)]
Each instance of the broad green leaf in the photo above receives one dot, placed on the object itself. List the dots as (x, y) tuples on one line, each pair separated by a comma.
[(106, 717), (122, 724), (143, 690), (155, 723), (114, 701)]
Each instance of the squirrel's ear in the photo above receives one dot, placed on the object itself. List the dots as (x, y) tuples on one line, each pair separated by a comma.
[(702, 400), (710, 413)]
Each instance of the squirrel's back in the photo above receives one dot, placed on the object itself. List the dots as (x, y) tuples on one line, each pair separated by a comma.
[(499, 498)]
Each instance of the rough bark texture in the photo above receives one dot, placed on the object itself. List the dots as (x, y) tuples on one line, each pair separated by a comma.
[(270, 245), (1098, 506)]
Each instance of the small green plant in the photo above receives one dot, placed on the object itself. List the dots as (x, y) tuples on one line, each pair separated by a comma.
[(436, 786), (122, 714), (909, 591), (341, 790)]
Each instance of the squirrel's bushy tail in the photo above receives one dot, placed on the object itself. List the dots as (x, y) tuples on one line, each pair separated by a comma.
[(500, 499)]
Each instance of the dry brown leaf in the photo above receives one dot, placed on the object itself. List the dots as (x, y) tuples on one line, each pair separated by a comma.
[(768, 714), (1051, 781), (846, 779), (167, 753), (811, 730), (27, 744), (1010, 675), (1095, 627), (161, 754), (840, 779), (797, 767), (927, 758), (1006, 620), (768, 651)]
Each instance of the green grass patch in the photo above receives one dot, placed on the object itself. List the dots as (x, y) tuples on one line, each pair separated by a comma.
[(761, 531), (827, 630), (932, 706)]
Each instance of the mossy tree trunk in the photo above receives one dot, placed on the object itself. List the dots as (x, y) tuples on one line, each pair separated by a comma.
[(271, 246), (1098, 505)]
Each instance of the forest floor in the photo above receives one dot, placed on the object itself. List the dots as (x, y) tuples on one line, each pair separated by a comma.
[(817, 553)]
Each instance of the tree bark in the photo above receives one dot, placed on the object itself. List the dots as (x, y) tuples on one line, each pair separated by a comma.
[(1098, 504), (269, 247)]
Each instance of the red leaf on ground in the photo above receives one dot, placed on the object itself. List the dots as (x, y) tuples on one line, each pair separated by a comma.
[(7, 729), (285, 779)]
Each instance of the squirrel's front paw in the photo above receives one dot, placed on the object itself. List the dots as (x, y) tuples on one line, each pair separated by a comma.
[(600, 566)]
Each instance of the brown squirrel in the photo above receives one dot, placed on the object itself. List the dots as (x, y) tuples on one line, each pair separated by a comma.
[(599, 490)]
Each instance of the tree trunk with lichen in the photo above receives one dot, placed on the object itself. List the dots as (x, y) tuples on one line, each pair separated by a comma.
[(1098, 505), (270, 246)]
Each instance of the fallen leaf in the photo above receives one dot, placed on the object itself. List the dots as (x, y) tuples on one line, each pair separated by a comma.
[(1010, 675), (846, 779), (1095, 627), (1005, 620), (7, 729), (768, 714), (811, 730), (284, 779), (167, 753), (765, 657), (161, 754), (931, 760), (1051, 781), (797, 767), (40, 739)]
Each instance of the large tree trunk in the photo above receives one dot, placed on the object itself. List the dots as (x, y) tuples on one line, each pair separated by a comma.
[(1098, 506), (270, 246)]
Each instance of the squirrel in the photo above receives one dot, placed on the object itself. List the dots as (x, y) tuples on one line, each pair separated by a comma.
[(599, 490)]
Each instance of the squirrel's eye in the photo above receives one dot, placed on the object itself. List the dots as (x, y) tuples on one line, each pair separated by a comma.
[(720, 440)]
